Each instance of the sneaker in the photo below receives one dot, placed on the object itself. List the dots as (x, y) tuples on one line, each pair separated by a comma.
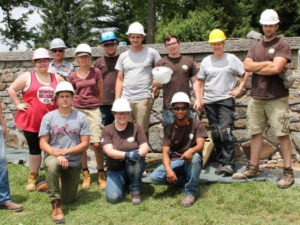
[(250, 172), (12, 207), (102, 180), (218, 171), (86, 179), (227, 170), (42, 186), (32, 180), (188, 200), (287, 180), (136, 199)]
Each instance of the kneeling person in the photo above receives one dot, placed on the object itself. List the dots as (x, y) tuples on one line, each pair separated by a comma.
[(181, 151), (125, 145), (64, 135)]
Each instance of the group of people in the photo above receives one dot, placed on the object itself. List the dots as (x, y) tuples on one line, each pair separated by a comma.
[(60, 113)]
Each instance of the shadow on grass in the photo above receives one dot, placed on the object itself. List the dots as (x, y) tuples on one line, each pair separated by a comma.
[(19, 198)]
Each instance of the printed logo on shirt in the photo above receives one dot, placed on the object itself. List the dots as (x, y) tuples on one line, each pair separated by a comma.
[(184, 67), (45, 95), (130, 139), (191, 136), (271, 51)]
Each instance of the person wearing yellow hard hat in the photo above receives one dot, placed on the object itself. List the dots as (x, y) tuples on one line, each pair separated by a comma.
[(269, 104), (217, 77)]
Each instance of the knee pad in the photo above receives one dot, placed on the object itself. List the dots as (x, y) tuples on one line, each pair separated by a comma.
[(222, 133)]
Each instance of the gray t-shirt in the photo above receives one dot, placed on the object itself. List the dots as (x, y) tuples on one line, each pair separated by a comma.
[(137, 68), (65, 132), (219, 76), (64, 69)]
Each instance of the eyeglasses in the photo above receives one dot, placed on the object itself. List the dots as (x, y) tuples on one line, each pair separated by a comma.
[(171, 44), (57, 50), (180, 108)]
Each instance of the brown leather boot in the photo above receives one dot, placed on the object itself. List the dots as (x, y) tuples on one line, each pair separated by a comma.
[(31, 183), (102, 179), (250, 172), (57, 213), (288, 178), (86, 179), (12, 207), (42, 186)]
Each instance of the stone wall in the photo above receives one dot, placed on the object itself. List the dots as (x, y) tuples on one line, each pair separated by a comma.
[(12, 64)]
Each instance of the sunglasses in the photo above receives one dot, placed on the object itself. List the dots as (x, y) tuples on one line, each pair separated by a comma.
[(180, 108), (57, 50)]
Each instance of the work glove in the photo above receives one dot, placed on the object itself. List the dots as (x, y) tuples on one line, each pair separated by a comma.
[(132, 156)]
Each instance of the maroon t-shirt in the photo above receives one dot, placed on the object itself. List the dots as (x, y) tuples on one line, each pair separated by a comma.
[(183, 69), (269, 87), (181, 138), (109, 73), (86, 90)]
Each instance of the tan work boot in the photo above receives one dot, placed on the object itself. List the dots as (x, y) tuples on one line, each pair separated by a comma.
[(12, 207), (57, 213), (188, 200), (288, 178), (102, 179), (250, 172), (31, 183), (86, 179)]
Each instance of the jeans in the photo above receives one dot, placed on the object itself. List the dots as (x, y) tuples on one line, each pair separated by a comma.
[(221, 113), (4, 184), (169, 117), (117, 179), (70, 179), (188, 173), (106, 114)]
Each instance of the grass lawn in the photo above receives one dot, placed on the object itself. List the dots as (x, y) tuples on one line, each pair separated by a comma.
[(238, 203)]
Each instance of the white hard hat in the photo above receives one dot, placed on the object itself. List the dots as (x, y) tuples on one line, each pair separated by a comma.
[(121, 105), (57, 43), (162, 74), (136, 28), (64, 86), (83, 49), (269, 17), (180, 97), (40, 53)]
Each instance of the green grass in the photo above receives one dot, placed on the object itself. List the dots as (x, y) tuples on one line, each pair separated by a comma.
[(239, 203)]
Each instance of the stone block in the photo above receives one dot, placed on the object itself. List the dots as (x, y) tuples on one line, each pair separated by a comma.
[(26, 64), (155, 137), (295, 108), (296, 140), (11, 124), (241, 135), (10, 64), (155, 118), (2, 86), (9, 77), (240, 123), (157, 105), (12, 141), (241, 112), (267, 150), (295, 126), (2, 65)]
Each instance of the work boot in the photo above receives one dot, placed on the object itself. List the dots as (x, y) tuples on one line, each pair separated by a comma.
[(102, 179), (12, 207), (57, 213), (136, 199), (250, 172), (86, 179), (42, 186), (218, 171), (288, 178), (31, 183), (227, 170), (188, 200)]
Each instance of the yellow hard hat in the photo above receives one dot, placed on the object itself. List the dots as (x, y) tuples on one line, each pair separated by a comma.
[(216, 35)]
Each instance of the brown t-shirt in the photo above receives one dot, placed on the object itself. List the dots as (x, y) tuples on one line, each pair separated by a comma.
[(181, 138), (183, 69), (269, 87), (86, 90), (109, 73)]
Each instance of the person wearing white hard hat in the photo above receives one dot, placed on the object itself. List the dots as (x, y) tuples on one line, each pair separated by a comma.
[(125, 145), (184, 72), (217, 77), (267, 59), (37, 99), (58, 65), (64, 135), (134, 80), (182, 145), (106, 65), (88, 84)]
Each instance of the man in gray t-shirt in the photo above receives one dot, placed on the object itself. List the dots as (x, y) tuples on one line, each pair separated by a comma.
[(64, 135)]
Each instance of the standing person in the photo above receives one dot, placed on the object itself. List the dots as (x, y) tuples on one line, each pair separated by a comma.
[(184, 72), (182, 145), (217, 77), (58, 65), (107, 65), (269, 103), (134, 80), (64, 135), (5, 198), (125, 145), (87, 82), (38, 98)]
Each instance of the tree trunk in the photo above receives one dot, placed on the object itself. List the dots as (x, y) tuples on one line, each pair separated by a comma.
[(151, 22)]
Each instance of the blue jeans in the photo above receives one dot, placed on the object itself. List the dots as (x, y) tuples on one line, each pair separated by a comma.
[(169, 117), (4, 184), (117, 179), (106, 114), (188, 173)]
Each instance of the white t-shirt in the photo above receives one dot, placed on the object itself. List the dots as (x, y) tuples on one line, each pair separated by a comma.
[(137, 66), (219, 76)]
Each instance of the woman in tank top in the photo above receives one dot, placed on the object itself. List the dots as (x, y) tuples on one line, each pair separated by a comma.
[(37, 99)]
